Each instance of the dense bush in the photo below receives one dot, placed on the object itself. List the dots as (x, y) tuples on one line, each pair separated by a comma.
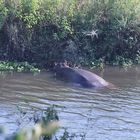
[(82, 31)]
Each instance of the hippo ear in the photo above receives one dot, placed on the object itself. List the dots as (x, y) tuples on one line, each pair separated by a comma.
[(55, 63)]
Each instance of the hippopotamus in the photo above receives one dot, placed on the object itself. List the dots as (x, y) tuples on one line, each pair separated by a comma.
[(81, 76)]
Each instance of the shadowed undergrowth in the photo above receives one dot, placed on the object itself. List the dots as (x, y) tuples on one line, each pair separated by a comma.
[(89, 32)]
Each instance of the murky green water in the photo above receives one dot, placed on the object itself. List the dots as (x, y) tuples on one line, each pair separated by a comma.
[(99, 114)]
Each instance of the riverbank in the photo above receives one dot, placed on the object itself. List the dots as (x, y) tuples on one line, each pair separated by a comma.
[(26, 67), (89, 33)]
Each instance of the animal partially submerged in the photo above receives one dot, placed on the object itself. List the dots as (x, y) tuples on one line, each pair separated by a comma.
[(80, 76)]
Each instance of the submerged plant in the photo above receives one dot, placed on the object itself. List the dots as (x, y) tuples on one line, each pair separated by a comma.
[(43, 129), (38, 131)]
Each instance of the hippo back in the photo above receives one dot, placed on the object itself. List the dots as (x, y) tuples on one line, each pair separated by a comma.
[(83, 77), (94, 79), (72, 75)]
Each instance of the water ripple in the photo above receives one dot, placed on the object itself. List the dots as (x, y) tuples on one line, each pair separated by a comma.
[(100, 114)]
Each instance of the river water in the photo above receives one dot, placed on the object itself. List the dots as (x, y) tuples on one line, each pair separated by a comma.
[(98, 114)]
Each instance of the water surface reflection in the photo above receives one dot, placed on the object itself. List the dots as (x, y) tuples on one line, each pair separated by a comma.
[(99, 114)]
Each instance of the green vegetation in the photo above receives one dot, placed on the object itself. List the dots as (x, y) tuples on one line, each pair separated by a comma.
[(87, 32), (18, 67), (44, 128)]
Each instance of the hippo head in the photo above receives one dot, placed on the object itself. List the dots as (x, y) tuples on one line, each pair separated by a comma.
[(58, 66)]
